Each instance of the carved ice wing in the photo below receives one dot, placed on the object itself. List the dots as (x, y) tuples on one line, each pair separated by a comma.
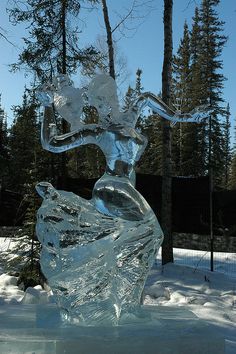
[(102, 94)]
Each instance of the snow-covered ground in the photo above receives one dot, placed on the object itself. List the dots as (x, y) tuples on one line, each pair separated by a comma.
[(188, 282), (211, 296)]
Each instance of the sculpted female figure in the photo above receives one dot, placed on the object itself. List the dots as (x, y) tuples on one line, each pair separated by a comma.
[(96, 254)]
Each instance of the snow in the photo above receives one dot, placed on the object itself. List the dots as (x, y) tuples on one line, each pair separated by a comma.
[(188, 283), (211, 296)]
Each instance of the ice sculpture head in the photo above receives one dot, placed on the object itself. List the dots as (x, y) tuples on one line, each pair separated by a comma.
[(67, 100)]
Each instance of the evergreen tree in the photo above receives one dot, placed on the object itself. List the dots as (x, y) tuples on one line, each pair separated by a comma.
[(199, 148), (138, 86), (3, 147), (196, 86), (212, 43), (25, 147), (29, 164), (186, 142), (197, 91), (22, 144), (181, 73), (226, 148), (150, 126), (87, 161), (232, 177), (151, 160), (129, 99), (133, 93), (26, 245), (52, 45), (182, 133)]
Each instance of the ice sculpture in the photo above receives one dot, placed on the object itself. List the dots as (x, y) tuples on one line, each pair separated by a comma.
[(96, 254)]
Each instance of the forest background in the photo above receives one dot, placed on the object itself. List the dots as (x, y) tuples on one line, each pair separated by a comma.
[(57, 46)]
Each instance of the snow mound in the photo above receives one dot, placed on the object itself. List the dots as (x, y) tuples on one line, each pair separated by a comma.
[(6, 280), (210, 295), (9, 291)]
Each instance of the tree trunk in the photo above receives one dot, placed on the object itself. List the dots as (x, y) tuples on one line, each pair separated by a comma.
[(166, 217), (109, 39), (63, 68), (63, 24)]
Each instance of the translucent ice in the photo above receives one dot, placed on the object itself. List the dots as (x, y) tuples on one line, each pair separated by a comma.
[(96, 254), (96, 263)]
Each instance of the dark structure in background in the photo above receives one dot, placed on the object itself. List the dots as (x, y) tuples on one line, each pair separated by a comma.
[(190, 203), (11, 208)]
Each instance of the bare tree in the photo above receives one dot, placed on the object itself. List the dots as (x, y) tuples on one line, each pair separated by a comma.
[(3, 35), (109, 39), (132, 15), (120, 61), (166, 217)]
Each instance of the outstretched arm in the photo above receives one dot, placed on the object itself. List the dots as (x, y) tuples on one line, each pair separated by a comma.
[(53, 142), (156, 104)]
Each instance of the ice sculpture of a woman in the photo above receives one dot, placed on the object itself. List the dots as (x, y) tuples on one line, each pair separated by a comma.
[(96, 254)]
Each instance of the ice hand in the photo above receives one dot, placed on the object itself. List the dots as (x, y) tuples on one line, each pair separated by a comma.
[(200, 113), (197, 115)]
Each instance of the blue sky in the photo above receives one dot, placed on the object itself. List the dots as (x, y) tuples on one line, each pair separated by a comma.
[(142, 48)]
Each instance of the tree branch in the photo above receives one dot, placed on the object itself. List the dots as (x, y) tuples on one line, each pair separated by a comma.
[(5, 37)]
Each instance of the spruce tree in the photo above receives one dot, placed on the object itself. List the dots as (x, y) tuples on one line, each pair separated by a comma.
[(23, 138), (197, 91), (196, 87), (129, 98), (181, 73), (226, 148), (151, 160), (52, 44), (150, 126), (183, 134), (211, 46), (29, 164), (138, 86), (232, 176), (199, 148), (25, 149), (4, 156), (26, 245), (133, 93), (87, 161)]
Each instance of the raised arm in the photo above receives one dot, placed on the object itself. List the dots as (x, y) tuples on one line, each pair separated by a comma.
[(51, 141), (156, 104), (67, 101)]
